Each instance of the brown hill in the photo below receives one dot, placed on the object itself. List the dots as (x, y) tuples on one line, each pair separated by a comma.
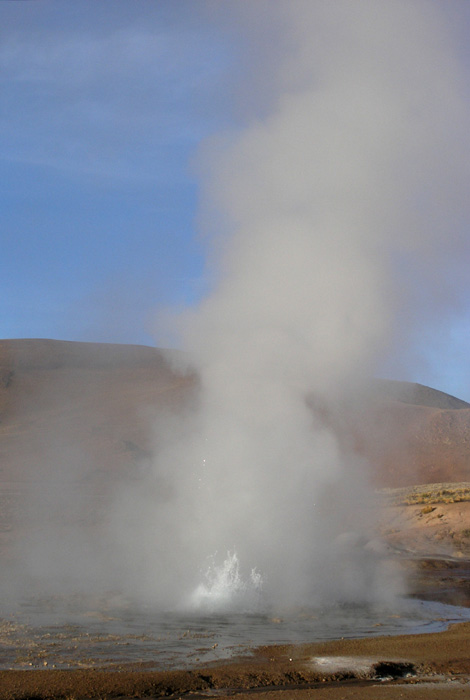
[(409, 443), (416, 394), (86, 411), (78, 410)]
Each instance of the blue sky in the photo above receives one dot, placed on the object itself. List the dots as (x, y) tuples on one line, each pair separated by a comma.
[(103, 106)]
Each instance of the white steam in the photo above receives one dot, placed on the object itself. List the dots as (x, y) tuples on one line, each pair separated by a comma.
[(318, 206), (317, 209)]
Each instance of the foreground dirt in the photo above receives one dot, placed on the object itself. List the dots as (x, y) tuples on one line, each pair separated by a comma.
[(432, 665)]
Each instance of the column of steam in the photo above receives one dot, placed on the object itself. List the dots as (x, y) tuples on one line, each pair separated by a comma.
[(313, 203)]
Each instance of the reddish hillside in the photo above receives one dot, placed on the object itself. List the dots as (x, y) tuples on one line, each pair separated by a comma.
[(411, 444), (78, 410), (84, 410)]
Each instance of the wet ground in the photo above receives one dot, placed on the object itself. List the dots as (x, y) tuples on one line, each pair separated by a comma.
[(69, 647), (62, 648), (59, 633), (418, 666)]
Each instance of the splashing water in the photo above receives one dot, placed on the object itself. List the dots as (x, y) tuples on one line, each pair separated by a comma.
[(224, 588)]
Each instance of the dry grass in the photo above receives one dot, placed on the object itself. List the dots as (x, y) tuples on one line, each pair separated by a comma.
[(428, 495), (427, 509), (441, 496)]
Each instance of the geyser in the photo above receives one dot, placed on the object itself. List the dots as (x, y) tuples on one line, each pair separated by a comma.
[(333, 214), (224, 589), (315, 206)]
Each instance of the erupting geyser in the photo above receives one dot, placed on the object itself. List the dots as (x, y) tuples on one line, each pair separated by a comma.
[(310, 205), (314, 207), (224, 589), (333, 213)]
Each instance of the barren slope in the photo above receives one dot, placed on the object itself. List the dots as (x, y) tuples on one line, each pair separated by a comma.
[(79, 410), (88, 410)]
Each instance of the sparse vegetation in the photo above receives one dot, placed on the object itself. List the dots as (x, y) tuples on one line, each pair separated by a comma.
[(431, 518), (441, 496), (428, 495), (427, 509)]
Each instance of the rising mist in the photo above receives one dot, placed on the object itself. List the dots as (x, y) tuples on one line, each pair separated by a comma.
[(330, 216)]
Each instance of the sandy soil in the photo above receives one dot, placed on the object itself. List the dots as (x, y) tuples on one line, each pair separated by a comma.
[(431, 519)]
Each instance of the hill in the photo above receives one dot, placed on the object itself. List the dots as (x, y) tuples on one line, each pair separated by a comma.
[(72, 410), (416, 394), (81, 410)]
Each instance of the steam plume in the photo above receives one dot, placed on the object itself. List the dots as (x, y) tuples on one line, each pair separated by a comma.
[(315, 209), (333, 217)]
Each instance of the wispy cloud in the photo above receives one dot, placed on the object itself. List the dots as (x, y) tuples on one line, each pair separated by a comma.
[(117, 100)]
